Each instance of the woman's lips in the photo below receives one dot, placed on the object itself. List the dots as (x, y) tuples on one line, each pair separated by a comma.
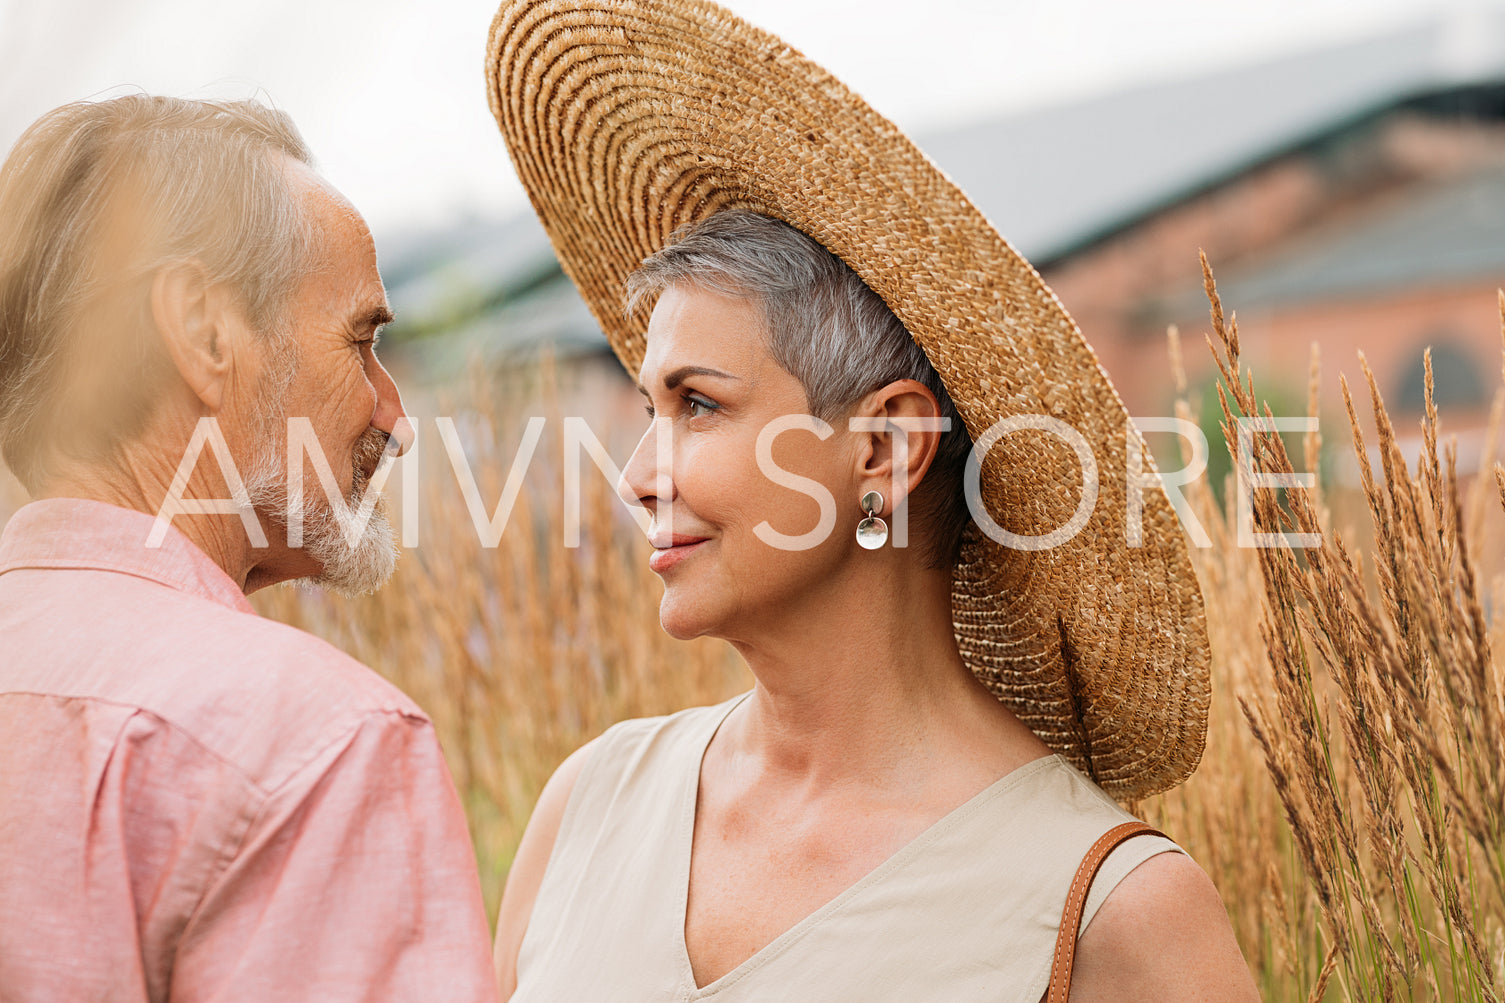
[(665, 558)]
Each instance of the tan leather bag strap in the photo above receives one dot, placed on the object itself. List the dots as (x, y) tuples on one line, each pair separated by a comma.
[(1076, 898)]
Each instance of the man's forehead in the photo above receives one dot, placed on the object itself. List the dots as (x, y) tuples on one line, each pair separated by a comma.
[(303, 177), (323, 201), (345, 278)]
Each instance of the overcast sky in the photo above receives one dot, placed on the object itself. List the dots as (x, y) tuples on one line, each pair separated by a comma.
[(390, 93)]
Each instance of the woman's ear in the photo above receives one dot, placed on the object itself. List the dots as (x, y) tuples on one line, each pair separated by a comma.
[(903, 426), (191, 316)]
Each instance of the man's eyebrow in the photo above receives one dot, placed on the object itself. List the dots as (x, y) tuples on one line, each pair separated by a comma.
[(373, 318)]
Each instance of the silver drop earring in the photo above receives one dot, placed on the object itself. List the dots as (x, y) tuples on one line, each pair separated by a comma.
[(872, 532)]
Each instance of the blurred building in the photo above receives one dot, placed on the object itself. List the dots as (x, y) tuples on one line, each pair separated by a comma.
[(1352, 196)]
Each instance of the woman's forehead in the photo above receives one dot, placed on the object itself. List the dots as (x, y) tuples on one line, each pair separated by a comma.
[(701, 328)]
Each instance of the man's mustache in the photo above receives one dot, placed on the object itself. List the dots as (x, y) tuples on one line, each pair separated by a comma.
[(367, 455)]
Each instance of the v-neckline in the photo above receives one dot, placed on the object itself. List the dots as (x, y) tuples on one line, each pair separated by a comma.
[(690, 801)]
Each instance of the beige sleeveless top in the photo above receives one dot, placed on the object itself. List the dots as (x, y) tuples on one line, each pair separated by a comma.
[(968, 911)]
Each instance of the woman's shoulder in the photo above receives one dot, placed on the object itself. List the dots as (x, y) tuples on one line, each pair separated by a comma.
[(638, 750), (1152, 916), (1055, 814), (686, 731), (688, 718), (1162, 934), (1069, 813), (641, 749), (1062, 796)]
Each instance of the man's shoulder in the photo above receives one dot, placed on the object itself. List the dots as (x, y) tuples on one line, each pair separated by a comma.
[(260, 694), (273, 696), (315, 668)]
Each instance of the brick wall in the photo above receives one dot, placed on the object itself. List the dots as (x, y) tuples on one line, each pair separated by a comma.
[(1125, 289)]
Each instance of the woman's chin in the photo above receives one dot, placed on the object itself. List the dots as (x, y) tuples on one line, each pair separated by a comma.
[(680, 622)]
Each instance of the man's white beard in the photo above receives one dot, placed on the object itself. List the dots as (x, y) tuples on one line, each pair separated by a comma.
[(346, 569)]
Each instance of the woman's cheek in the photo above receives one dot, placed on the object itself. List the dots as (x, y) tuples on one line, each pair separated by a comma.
[(699, 477)]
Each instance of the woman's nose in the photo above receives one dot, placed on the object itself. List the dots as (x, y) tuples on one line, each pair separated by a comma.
[(647, 479)]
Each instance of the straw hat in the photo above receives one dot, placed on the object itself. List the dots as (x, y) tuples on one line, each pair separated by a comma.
[(629, 118)]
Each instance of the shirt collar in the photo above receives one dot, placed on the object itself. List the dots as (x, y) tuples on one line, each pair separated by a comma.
[(80, 534)]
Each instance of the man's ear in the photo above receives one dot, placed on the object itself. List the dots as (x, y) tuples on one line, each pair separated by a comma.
[(190, 314), (898, 460)]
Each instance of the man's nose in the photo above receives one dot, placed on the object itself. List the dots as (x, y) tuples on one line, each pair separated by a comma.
[(390, 415)]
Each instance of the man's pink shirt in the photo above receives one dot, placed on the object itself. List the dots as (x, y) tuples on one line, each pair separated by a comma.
[(197, 803)]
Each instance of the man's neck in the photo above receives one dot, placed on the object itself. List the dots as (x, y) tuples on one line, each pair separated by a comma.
[(144, 487)]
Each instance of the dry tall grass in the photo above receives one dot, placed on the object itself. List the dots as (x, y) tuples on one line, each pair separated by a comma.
[(1228, 815), (1378, 714), (1349, 806)]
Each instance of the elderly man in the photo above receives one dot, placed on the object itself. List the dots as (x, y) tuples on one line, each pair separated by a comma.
[(197, 803)]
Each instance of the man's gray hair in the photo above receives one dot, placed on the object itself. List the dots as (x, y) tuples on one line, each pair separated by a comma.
[(827, 329), (95, 198)]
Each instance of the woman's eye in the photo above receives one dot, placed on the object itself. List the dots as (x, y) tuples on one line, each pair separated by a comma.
[(698, 407), (651, 413)]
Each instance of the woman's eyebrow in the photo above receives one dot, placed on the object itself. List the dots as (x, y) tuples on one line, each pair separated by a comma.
[(683, 373)]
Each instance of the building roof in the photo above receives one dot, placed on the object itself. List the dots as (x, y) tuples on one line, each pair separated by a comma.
[(1450, 231), (1054, 179)]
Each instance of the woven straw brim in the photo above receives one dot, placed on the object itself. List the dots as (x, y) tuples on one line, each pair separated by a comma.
[(629, 119)]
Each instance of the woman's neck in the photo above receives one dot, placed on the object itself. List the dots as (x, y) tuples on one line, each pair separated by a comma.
[(862, 680)]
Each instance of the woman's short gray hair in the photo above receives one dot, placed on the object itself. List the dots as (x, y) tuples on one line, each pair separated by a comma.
[(94, 198), (827, 329)]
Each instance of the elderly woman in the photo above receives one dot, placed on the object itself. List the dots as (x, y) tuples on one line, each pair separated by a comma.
[(874, 820)]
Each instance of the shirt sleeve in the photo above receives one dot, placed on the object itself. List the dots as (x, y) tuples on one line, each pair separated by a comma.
[(356, 882)]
